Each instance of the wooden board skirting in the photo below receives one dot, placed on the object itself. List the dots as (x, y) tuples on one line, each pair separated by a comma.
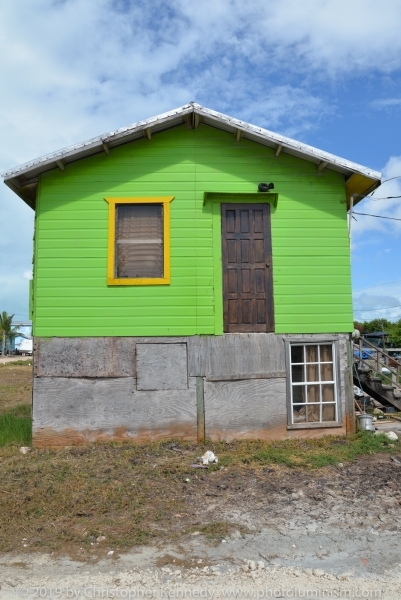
[(246, 376), (253, 355), (233, 407), (107, 406), (234, 388)]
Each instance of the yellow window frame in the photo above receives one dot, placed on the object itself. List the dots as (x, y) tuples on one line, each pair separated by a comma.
[(113, 202)]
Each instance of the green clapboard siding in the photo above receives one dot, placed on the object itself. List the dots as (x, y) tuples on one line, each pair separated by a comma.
[(311, 263)]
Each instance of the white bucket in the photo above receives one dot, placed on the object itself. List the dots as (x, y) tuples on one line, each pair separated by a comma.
[(366, 422)]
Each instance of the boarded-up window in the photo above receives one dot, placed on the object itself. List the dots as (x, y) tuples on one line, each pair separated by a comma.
[(139, 241)]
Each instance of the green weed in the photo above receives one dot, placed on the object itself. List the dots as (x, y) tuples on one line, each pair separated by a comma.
[(15, 428)]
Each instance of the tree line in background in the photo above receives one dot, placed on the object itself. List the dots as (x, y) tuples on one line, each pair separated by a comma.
[(7, 331), (393, 329)]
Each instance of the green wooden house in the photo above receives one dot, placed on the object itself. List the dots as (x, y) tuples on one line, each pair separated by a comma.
[(177, 294)]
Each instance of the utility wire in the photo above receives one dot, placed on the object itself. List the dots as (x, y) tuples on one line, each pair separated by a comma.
[(377, 216), (375, 286), (391, 178), (370, 309), (385, 197)]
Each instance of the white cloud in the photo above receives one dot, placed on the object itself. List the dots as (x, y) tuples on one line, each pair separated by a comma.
[(381, 300), (99, 64), (387, 103)]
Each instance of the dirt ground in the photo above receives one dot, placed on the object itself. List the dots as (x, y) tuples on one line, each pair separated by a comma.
[(249, 528)]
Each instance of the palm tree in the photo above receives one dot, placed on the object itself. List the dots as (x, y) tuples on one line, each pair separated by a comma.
[(7, 331)]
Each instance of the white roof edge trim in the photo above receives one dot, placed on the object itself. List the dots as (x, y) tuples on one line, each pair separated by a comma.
[(258, 132)]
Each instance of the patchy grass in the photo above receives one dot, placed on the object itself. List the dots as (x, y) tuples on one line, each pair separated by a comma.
[(69, 500), (16, 363), (313, 453), (15, 404), (83, 501), (15, 386)]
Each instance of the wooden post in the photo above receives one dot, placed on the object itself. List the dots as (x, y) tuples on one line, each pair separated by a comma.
[(200, 409), (350, 418)]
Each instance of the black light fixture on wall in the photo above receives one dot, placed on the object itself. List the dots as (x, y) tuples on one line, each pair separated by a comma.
[(265, 187)]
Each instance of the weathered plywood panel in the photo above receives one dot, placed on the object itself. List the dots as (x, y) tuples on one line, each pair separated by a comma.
[(79, 411), (84, 357), (237, 356), (236, 409), (253, 409), (162, 367)]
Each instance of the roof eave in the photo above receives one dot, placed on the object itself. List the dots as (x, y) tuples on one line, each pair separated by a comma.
[(25, 175)]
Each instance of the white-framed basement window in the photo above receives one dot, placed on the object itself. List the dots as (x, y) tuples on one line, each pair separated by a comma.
[(313, 384)]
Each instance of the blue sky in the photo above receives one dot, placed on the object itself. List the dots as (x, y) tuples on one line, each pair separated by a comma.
[(326, 73)]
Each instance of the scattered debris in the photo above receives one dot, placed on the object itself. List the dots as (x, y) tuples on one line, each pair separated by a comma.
[(195, 466), (395, 460), (365, 422), (390, 435), (24, 449), (209, 457)]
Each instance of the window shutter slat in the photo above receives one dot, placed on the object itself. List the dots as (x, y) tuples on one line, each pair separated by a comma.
[(139, 240)]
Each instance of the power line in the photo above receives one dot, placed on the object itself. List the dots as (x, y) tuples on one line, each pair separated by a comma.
[(383, 198), (371, 197), (377, 216), (370, 309), (391, 178), (375, 286)]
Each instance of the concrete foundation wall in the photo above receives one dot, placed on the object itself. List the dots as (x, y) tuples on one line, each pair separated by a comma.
[(86, 389)]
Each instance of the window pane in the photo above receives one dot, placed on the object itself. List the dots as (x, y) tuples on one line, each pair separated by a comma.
[(299, 414), (312, 372), (313, 384), (311, 354), (326, 353), (139, 240), (329, 413), (313, 413), (297, 373), (326, 372), (297, 354), (328, 392), (298, 394), (313, 393)]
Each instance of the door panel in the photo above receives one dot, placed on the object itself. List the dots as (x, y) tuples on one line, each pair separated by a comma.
[(247, 268)]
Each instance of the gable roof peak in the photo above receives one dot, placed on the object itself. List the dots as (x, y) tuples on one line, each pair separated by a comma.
[(23, 178)]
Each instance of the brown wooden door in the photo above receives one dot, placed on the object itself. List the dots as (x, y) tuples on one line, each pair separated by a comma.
[(247, 268)]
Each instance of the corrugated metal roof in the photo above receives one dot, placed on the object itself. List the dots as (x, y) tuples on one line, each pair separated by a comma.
[(21, 177)]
